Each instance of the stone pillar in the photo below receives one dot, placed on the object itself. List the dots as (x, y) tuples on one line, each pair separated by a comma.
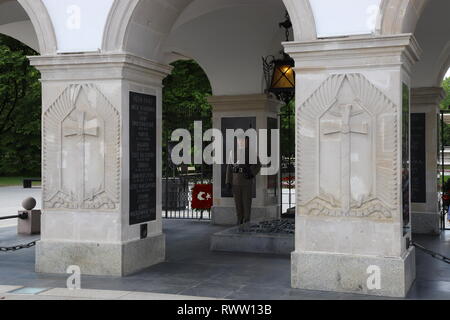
[(352, 223), (425, 126), (101, 162), (241, 112)]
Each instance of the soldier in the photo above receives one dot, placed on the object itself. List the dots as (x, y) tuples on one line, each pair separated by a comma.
[(240, 178)]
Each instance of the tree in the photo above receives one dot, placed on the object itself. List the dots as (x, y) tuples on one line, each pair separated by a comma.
[(185, 95), (287, 131), (20, 110), (445, 104)]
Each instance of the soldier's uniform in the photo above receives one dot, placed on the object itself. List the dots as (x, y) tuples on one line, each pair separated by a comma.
[(241, 178)]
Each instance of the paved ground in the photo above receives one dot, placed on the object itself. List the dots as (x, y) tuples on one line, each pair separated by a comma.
[(192, 270), (11, 199), (21, 293)]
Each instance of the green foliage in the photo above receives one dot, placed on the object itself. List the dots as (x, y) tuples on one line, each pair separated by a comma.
[(445, 104), (185, 95), (287, 132), (20, 110)]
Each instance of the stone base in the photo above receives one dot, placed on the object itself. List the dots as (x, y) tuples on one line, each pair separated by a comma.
[(30, 226), (426, 223), (226, 216), (348, 273), (102, 259), (231, 240)]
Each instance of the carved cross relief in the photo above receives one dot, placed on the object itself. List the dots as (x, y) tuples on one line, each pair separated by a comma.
[(346, 129), (83, 148), (81, 127), (346, 152), (81, 151)]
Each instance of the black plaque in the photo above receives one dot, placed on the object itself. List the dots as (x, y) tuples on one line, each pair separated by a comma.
[(406, 177), (418, 158), (233, 124), (142, 158)]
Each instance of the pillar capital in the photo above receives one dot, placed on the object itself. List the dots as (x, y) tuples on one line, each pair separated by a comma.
[(98, 66), (363, 52), (431, 96)]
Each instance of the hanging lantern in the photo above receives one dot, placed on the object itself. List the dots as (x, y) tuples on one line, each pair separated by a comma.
[(283, 78), (279, 73)]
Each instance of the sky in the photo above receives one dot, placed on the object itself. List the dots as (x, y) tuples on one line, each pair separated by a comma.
[(448, 74)]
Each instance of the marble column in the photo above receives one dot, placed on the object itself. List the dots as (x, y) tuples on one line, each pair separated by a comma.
[(352, 223), (425, 126), (261, 112), (101, 202)]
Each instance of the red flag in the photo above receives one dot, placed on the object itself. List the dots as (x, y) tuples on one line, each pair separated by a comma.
[(202, 196)]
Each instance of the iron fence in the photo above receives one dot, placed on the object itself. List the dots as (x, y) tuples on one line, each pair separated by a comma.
[(177, 187), (287, 183)]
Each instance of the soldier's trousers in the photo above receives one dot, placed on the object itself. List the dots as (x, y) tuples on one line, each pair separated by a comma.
[(243, 196)]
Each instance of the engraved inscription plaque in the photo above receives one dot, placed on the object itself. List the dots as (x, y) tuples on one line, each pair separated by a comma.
[(418, 158), (142, 158)]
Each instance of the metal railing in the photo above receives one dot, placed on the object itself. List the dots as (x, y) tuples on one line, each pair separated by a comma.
[(22, 216), (177, 196)]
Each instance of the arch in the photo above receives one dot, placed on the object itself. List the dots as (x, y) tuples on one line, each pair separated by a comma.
[(117, 24), (400, 16), (302, 19), (430, 32), (444, 69), (37, 12), (120, 19), (444, 62)]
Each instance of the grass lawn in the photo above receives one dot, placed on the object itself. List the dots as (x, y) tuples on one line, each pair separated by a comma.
[(14, 181)]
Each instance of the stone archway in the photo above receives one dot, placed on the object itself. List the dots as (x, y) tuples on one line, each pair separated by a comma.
[(42, 24), (131, 64), (122, 15), (29, 22), (400, 16), (445, 58)]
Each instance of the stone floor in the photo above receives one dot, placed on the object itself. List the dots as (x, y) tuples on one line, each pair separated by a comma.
[(192, 270), (21, 293)]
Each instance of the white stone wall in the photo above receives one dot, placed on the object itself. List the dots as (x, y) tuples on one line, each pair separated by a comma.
[(85, 166), (349, 164)]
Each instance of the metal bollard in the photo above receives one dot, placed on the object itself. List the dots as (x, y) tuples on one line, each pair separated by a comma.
[(29, 219)]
